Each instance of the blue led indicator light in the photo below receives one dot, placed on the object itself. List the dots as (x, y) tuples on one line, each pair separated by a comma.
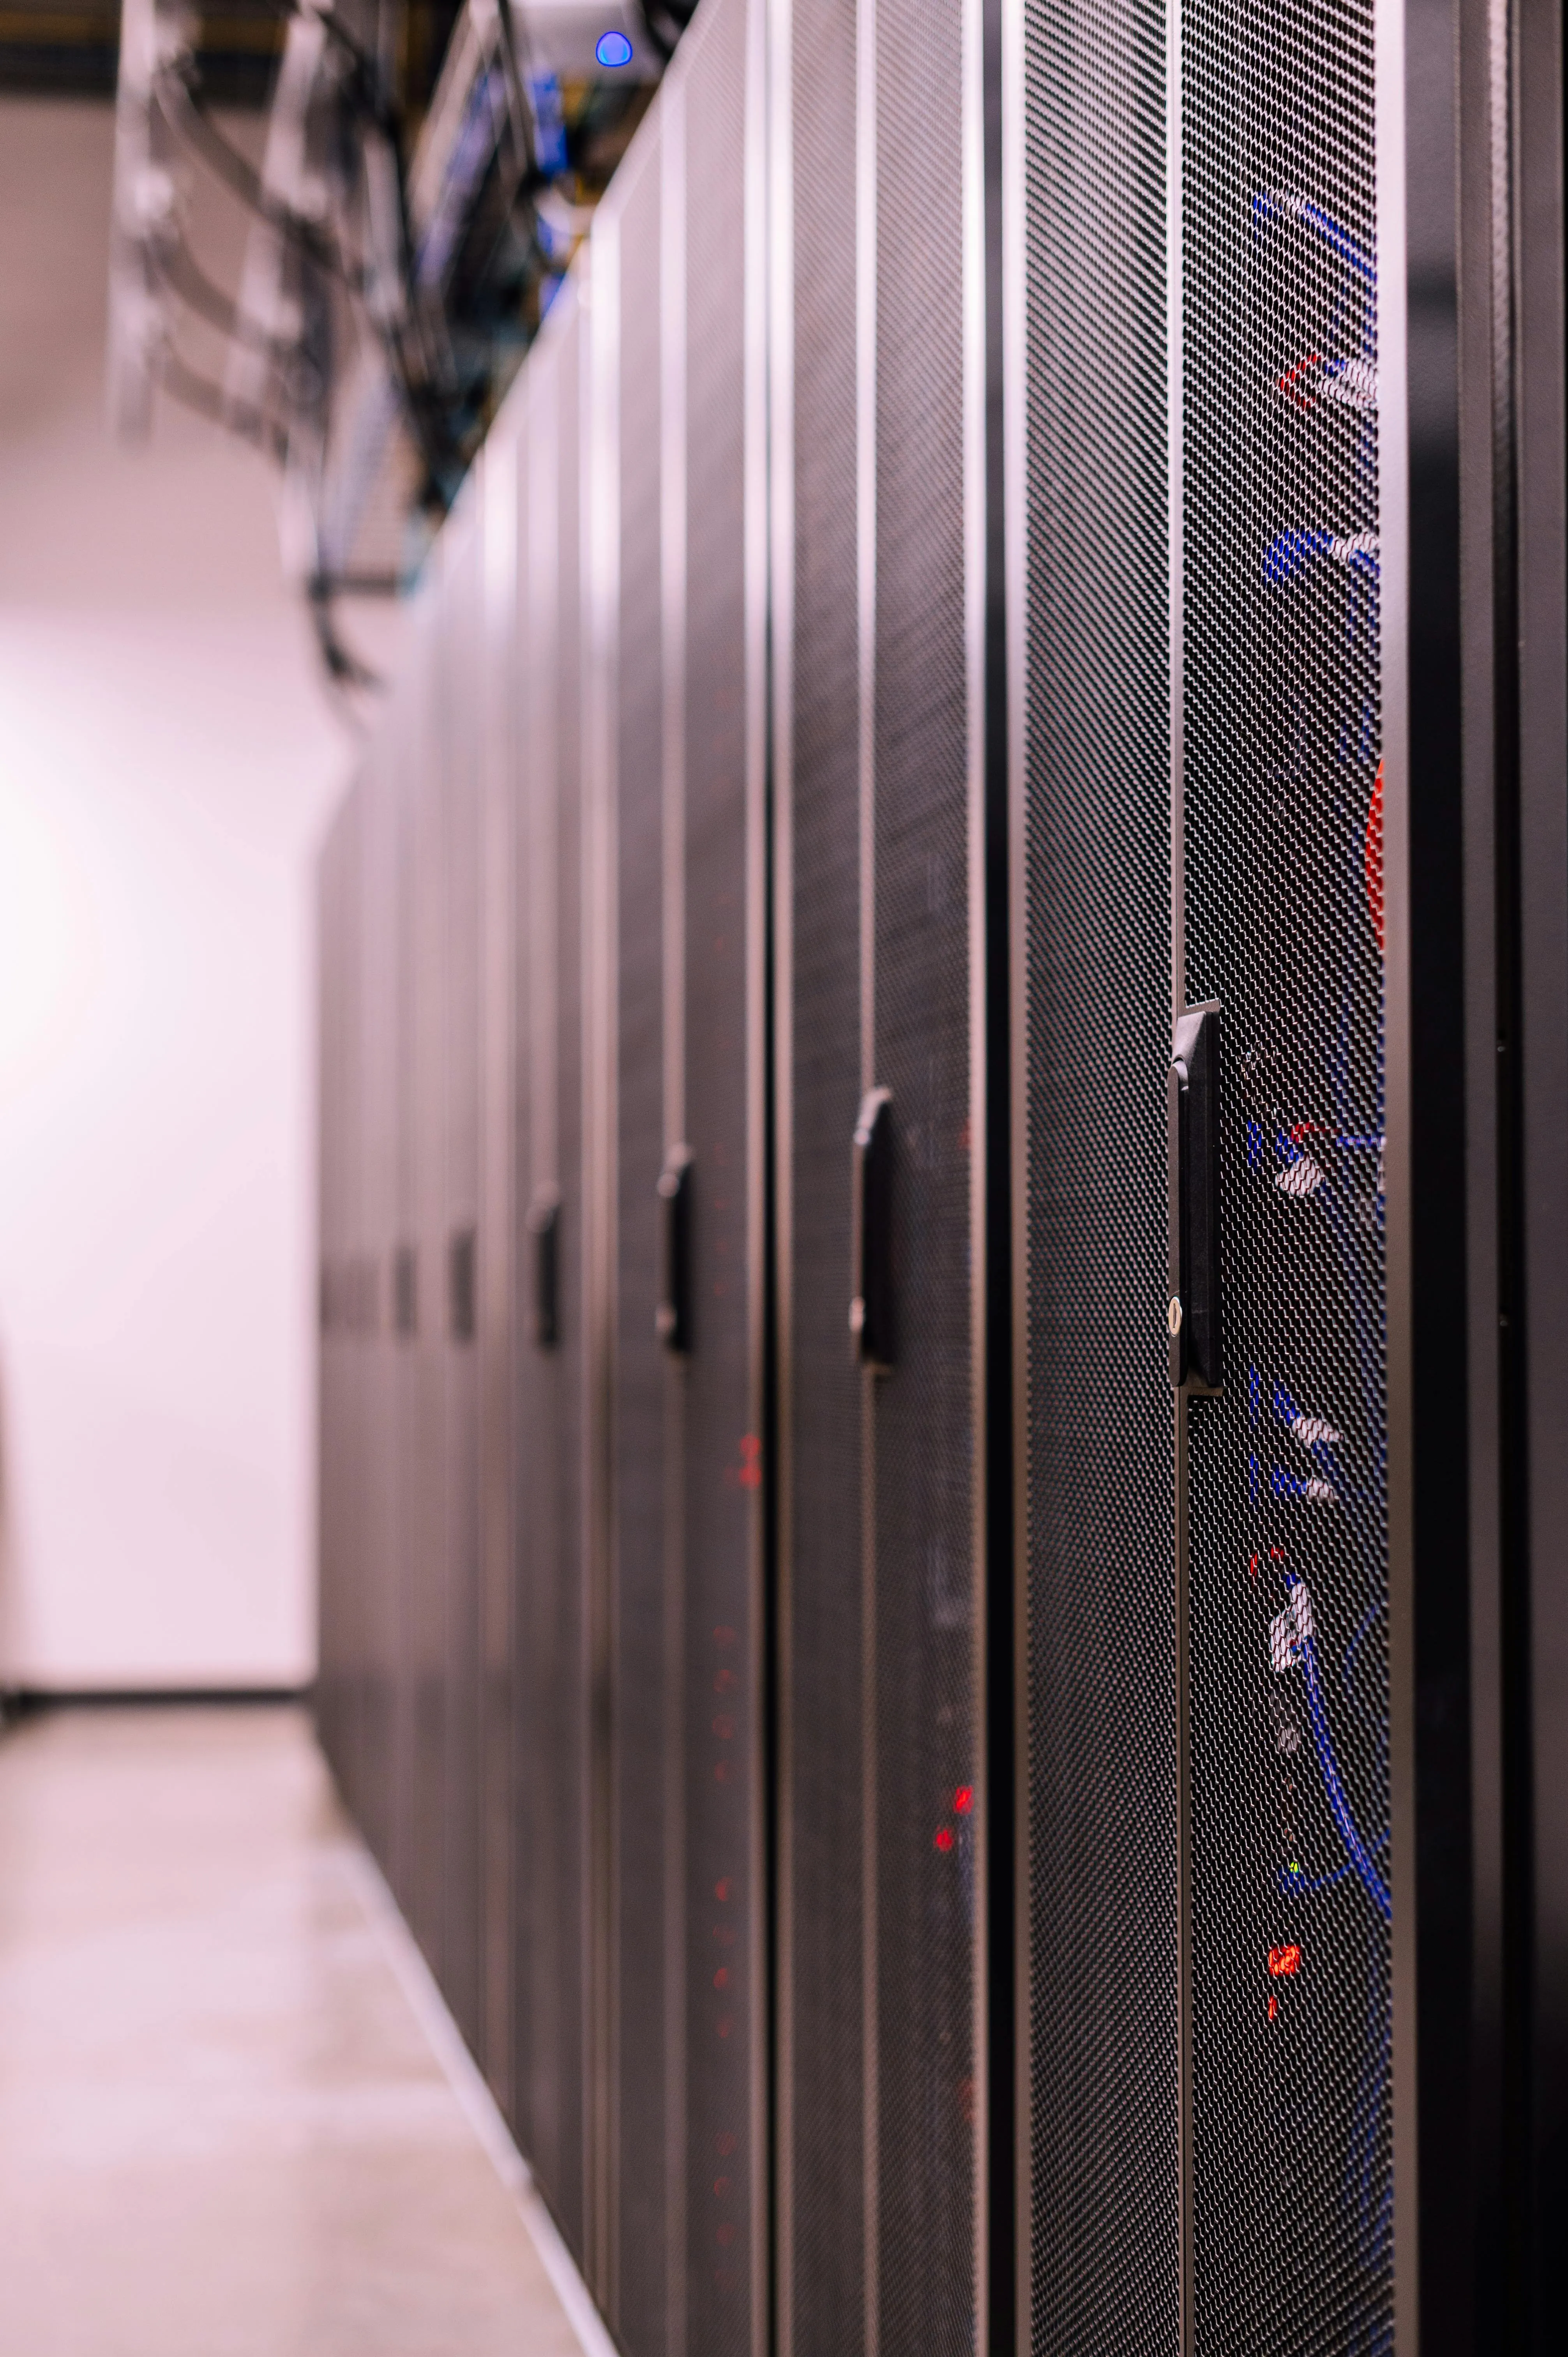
[(613, 49)]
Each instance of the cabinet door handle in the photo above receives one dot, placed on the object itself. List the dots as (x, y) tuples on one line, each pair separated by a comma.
[(544, 1227), (672, 1319), (871, 1316), (1193, 1316)]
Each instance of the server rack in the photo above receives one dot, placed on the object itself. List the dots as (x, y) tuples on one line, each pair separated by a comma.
[(335, 1586), (404, 1287), (882, 966), (643, 1395), (500, 1273), (553, 1731), (676, 866), (430, 1350), (717, 964), (456, 780), (376, 1124), (1266, 680)]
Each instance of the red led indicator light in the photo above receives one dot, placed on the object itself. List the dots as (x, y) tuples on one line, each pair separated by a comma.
[(721, 2187), (721, 1979), (1284, 1962), (1274, 2007), (727, 2023), (944, 1837), (963, 1799), (724, 1891)]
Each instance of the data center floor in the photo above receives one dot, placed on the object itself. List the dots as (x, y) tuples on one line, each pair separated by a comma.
[(226, 2126)]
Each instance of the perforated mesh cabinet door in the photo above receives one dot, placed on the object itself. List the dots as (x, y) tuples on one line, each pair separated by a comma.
[(499, 1276), (428, 1518), (553, 1671), (405, 1283), (644, 1407), (1094, 1019), (1288, 1471), (1217, 1705), (922, 1630), (334, 1604), (823, 2243), (462, 694), (880, 2061), (378, 1130), (721, 1471)]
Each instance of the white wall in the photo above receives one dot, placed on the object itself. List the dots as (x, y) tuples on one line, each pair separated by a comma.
[(167, 762)]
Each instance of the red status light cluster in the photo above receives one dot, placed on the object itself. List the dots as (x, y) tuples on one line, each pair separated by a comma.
[(1284, 1962), (963, 1804)]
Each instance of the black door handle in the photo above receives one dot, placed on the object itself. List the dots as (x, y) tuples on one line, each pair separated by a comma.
[(544, 1227), (672, 1319), (461, 1285), (1192, 1317), (871, 1318)]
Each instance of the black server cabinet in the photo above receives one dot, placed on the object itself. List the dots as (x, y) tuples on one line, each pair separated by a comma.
[(334, 1595), (498, 1300), (377, 1128), (349, 1600), (552, 1711), (714, 1109), (644, 1384), (457, 781), (426, 1527), (1281, 744), (878, 601), (406, 1292), (1200, 672), (1090, 673)]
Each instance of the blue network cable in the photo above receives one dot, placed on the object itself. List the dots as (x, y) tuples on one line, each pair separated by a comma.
[(1292, 553), (1372, 1882)]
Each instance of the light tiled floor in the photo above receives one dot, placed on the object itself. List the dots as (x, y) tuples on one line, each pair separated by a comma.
[(224, 2129)]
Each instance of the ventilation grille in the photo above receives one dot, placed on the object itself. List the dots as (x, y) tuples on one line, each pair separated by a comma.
[(822, 2191), (1102, 1663), (1288, 1517), (724, 1980), (640, 1666), (925, 1635)]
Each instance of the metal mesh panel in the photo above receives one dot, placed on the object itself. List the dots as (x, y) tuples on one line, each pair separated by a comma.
[(403, 722), (427, 1517), (554, 1730), (639, 1673), (377, 1052), (462, 639), (1103, 1998), (1293, 2189), (721, 1473), (500, 1331), (822, 2230), (529, 689), (334, 1573), (923, 1629)]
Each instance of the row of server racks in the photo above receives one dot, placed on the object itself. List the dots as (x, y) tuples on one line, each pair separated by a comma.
[(944, 1109)]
